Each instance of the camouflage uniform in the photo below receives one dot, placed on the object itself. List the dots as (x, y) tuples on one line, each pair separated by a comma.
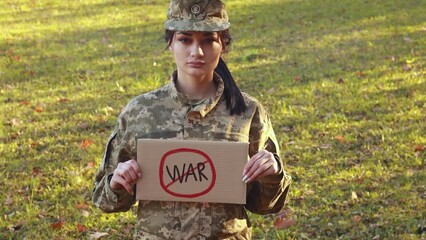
[(166, 113)]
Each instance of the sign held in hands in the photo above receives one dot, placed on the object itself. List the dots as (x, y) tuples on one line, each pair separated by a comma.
[(191, 171)]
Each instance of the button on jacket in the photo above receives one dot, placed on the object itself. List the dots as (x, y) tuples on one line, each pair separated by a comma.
[(165, 113)]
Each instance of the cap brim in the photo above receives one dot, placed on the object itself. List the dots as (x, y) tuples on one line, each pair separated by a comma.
[(205, 25)]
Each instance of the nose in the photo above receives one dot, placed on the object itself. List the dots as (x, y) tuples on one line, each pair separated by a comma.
[(197, 51)]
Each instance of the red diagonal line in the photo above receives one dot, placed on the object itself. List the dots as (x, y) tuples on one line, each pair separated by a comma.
[(184, 175)]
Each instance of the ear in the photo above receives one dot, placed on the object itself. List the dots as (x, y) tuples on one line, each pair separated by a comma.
[(171, 48)]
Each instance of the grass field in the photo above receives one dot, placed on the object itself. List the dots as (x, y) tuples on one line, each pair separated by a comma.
[(344, 82)]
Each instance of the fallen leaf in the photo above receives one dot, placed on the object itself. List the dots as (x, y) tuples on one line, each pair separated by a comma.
[(297, 78), (354, 196), (85, 213), (340, 81), (16, 122), (97, 235), (359, 180), (15, 227), (33, 144), (38, 108), (406, 67), (9, 201), (36, 171), (9, 52), (283, 219), (83, 126), (86, 143), (418, 151), (82, 206), (91, 164), (81, 228), (57, 225), (283, 223), (360, 74), (15, 58), (340, 138), (418, 148), (62, 100), (24, 102), (356, 219), (377, 237)]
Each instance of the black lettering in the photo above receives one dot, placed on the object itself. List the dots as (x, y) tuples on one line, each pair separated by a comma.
[(176, 171), (190, 172), (201, 167), (183, 173)]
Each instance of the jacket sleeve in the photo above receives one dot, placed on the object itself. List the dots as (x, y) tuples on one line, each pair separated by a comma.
[(267, 194), (117, 150)]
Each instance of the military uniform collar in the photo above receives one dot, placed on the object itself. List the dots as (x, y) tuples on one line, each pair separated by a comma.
[(203, 106)]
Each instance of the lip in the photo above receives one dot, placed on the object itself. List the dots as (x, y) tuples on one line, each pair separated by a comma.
[(196, 64)]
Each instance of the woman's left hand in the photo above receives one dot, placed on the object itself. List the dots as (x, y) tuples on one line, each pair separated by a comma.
[(261, 164)]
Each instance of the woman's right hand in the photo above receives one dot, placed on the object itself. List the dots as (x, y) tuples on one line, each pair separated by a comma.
[(125, 176)]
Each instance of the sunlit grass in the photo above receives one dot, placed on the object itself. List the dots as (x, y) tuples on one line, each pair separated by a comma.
[(344, 83)]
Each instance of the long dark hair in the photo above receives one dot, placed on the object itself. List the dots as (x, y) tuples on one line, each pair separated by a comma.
[(233, 97)]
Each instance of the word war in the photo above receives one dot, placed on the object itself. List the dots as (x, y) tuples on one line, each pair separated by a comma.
[(183, 175), (186, 173)]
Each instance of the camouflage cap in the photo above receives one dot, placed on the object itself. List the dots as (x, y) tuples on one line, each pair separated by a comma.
[(197, 15)]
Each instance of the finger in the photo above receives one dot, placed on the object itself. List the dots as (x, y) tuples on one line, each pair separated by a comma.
[(255, 165), (118, 180), (131, 173), (135, 167), (265, 165), (122, 171), (252, 161), (264, 170), (127, 170)]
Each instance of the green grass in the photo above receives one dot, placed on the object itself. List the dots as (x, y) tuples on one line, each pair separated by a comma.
[(344, 82)]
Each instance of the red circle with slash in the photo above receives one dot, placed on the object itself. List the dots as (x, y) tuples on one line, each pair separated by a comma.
[(207, 162)]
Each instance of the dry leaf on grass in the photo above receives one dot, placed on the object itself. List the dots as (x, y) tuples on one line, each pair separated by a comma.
[(9, 201), (57, 225), (86, 143), (97, 235), (356, 219), (340, 139), (283, 220), (82, 206), (81, 228)]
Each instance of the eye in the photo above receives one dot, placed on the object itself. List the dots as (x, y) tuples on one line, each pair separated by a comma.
[(210, 40), (184, 40)]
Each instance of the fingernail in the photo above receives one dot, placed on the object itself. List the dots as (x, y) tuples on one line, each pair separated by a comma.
[(247, 180)]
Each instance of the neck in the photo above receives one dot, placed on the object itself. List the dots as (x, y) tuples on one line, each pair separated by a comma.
[(196, 87)]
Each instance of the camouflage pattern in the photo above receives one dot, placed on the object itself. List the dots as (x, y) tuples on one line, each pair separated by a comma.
[(166, 113), (197, 15)]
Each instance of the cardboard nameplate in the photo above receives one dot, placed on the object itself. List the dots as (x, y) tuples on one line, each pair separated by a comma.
[(191, 171)]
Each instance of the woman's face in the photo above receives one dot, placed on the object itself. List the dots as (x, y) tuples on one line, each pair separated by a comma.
[(196, 53)]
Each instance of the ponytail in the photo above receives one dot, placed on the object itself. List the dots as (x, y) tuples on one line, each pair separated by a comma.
[(233, 96)]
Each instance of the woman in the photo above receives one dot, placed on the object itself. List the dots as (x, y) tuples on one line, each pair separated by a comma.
[(202, 102)]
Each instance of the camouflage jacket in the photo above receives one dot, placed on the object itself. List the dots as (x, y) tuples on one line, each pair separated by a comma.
[(166, 113)]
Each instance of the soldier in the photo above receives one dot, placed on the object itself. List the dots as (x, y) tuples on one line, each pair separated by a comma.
[(201, 102)]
